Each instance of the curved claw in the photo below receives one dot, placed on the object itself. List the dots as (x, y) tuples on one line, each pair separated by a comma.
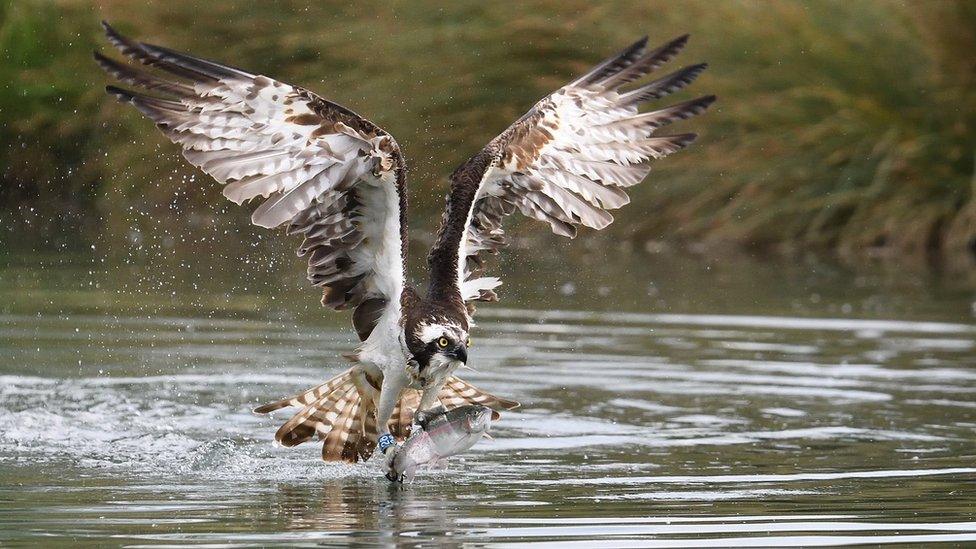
[(392, 475)]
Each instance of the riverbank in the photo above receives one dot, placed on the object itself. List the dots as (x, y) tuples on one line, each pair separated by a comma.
[(841, 126)]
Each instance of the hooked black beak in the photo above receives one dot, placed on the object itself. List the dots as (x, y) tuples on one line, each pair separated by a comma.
[(460, 353)]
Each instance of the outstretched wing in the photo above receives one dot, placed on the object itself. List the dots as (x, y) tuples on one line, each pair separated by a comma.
[(327, 173), (566, 162)]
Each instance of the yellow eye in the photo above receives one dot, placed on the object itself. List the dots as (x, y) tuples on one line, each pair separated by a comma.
[(443, 343), (467, 342)]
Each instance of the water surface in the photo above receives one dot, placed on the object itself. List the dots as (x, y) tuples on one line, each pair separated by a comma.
[(668, 401)]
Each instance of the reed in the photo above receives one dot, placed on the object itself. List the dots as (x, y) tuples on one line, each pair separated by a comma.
[(841, 125)]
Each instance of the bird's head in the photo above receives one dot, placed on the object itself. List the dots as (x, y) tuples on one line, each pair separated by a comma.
[(439, 345)]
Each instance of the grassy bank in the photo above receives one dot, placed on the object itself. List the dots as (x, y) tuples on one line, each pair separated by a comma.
[(841, 125)]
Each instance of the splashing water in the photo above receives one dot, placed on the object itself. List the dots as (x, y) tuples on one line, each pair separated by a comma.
[(637, 429)]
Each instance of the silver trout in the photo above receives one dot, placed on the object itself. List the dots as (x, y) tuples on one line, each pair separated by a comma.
[(440, 435)]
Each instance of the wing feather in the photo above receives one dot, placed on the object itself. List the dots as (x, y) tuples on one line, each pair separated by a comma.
[(565, 162), (320, 169)]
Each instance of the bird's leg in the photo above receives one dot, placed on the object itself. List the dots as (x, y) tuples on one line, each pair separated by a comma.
[(393, 385), (429, 403)]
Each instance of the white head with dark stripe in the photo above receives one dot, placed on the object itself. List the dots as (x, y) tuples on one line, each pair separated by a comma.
[(439, 344)]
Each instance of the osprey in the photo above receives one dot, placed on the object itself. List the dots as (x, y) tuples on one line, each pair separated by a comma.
[(339, 181)]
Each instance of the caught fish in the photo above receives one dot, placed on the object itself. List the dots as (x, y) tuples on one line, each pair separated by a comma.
[(439, 436)]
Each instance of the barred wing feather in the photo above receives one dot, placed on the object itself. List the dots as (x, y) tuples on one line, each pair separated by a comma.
[(567, 161), (320, 169)]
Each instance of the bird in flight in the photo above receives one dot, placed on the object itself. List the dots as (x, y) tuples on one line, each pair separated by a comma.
[(339, 181)]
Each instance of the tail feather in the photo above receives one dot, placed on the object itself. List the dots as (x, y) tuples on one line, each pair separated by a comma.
[(307, 397), (317, 417), (337, 413), (345, 419), (402, 417), (457, 392), (342, 442)]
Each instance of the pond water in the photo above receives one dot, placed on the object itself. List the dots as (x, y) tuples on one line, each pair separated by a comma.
[(668, 400)]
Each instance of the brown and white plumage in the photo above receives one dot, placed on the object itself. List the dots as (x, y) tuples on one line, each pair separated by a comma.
[(569, 159), (316, 166), (337, 412), (339, 181)]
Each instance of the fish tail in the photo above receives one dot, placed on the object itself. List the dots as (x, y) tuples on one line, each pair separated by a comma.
[(457, 392)]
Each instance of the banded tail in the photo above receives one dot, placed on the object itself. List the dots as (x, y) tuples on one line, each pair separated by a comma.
[(342, 412)]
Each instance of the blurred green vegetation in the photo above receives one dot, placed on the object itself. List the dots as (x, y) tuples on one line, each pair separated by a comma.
[(842, 125)]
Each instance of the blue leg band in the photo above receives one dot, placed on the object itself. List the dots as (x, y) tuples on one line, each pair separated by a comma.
[(385, 441)]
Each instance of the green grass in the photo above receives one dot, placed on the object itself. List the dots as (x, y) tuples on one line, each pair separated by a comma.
[(841, 125)]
